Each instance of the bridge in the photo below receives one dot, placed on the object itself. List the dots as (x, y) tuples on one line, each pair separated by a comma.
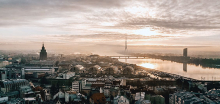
[(128, 57)]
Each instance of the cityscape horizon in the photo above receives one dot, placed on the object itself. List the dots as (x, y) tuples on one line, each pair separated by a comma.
[(109, 52)]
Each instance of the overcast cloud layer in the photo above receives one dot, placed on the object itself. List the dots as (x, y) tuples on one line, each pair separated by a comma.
[(86, 22)]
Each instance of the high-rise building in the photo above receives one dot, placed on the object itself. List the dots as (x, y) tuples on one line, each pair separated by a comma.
[(185, 52), (43, 53)]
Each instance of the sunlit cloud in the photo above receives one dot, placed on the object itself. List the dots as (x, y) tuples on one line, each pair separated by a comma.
[(148, 22), (145, 32)]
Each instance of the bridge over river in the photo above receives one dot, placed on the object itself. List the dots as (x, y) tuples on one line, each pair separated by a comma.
[(129, 57)]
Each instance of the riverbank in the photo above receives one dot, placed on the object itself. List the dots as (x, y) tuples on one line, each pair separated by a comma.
[(204, 62)]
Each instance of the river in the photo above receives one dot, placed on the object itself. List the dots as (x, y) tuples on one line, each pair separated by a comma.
[(183, 69)]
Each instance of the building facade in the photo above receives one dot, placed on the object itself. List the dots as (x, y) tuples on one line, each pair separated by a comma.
[(185, 52), (43, 53)]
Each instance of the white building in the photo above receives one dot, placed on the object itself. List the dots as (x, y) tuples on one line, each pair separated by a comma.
[(139, 95), (3, 99), (68, 75), (60, 94), (123, 82), (121, 100), (76, 86), (94, 81), (107, 88), (42, 62), (49, 70)]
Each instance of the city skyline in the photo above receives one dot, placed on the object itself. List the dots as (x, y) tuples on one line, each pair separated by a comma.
[(91, 25)]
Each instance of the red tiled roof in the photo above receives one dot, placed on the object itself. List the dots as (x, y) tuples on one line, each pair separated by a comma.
[(98, 98)]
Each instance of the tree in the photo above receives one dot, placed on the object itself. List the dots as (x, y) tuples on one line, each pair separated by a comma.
[(53, 90), (138, 83), (57, 63), (43, 81), (23, 61)]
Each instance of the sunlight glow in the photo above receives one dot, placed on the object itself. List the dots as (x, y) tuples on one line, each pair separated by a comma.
[(148, 65), (145, 32), (108, 23), (137, 10)]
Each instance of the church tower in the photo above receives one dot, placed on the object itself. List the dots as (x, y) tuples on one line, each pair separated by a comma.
[(43, 53)]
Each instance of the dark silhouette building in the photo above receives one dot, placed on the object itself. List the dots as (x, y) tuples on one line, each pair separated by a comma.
[(185, 67), (43, 53), (185, 52)]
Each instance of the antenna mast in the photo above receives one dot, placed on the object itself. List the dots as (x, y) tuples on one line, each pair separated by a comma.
[(126, 42)]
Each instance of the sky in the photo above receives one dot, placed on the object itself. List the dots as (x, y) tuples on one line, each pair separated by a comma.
[(102, 25)]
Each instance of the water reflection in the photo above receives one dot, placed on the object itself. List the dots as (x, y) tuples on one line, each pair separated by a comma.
[(184, 69), (148, 65)]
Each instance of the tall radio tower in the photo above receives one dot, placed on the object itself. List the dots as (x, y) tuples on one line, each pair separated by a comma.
[(126, 43), (126, 47)]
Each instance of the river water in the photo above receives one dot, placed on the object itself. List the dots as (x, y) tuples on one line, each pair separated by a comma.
[(183, 69)]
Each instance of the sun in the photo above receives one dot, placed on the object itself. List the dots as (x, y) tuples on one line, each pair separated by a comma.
[(145, 32)]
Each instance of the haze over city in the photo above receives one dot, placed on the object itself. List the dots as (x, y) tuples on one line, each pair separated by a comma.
[(109, 52), (101, 25)]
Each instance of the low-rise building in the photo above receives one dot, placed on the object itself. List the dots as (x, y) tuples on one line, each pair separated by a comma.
[(16, 101), (78, 69), (12, 73), (95, 69), (68, 75), (77, 86), (187, 98), (42, 62), (49, 70), (12, 85), (26, 91), (3, 99), (143, 102), (121, 100)]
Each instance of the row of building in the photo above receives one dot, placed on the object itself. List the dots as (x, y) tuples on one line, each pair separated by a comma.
[(211, 97), (96, 69), (106, 91)]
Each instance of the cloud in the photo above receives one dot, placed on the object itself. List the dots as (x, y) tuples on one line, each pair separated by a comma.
[(105, 37), (162, 15), (101, 21), (25, 12)]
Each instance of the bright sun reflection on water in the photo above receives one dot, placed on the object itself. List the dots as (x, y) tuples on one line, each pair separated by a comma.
[(148, 65)]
